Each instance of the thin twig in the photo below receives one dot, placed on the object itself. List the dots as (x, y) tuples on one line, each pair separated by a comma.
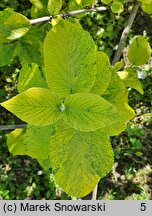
[(12, 127), (94, 193), (67, 14), (125, 33)]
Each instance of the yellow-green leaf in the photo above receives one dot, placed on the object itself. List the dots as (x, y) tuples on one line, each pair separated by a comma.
[(117, 7), (84, 3), (146, 6), (30, 76), (13, 25), (37, 106), (37, 143), (130, 79), (103, 75), (7, 53), (15, 142), (106, 1), (80, 159), (117, 94), (89, 112), (118, 65), (70, 59), (139, 51), (54, 6)]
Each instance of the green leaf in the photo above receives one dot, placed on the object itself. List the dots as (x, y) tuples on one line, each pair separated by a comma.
[(7, 52), (84, 3), (117, 94), (15, 142), (37, 106), (54, 6), (89, 112), (139, 51), (106, 1), (28, 53), (70, 59), (130, 79), (118, 65), (30, 76), (103, 75), (37, 143), (13, 25), (80, 159), (147, 6), (116, 129), (117, 7)]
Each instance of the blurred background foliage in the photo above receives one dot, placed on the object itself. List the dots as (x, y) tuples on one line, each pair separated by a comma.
[(22, 177)]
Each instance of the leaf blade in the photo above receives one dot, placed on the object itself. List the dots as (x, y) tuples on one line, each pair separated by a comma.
[(13, 25), (15, 142), (83, 158), (89, 112), (103, 75), (139, 51), (70, 57), (37, 106), (54, 6)]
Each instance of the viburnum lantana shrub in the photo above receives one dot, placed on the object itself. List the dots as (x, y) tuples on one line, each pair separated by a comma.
[(72, 103)]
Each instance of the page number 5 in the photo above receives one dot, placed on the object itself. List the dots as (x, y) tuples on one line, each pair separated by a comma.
[(143, 206)]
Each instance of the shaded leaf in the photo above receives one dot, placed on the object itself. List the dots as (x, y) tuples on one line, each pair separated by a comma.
[(13, 25), (15, 142), (28, 53), (7, 52), (30, 76), (37, 143)]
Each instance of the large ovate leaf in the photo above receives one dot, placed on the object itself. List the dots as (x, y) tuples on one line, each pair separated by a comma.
[(70, 59), (37, 143), (15, 142), (80, 159), (139, 51), (130, 79), (37, 106), (103, 75), (30, 76), (13, 25), (54, 6), (117, 94), (89, 112)]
